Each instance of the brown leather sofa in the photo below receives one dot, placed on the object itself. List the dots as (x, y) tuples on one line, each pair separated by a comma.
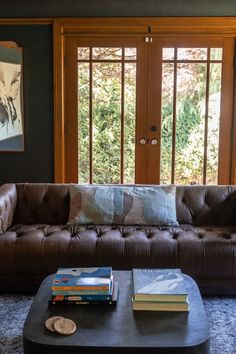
[(35, 239)]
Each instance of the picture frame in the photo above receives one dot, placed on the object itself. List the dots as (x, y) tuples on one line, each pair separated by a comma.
[(11, 97)]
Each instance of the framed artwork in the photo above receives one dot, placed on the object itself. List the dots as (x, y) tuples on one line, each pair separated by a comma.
[(11, 98)]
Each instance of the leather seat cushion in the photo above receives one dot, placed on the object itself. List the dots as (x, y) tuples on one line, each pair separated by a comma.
[(42, 248)]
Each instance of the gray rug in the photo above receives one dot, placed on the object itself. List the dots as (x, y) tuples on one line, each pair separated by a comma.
[(221, 313)]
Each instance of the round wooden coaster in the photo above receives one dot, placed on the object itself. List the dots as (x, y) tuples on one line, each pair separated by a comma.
[(49, 323), (65, 326)]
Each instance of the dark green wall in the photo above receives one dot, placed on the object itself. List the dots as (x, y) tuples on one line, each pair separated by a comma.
[(36, 164), (72, 8)]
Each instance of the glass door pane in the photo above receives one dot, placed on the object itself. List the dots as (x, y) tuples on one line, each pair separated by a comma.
[(190, 114), (106, 114)]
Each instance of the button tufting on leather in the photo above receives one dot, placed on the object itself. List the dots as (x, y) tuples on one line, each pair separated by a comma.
[(149, 235), (45, 198), (183, 200), (19, 234)]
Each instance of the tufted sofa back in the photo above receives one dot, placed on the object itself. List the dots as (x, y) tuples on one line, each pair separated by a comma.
[(206, 205), (198, 205), (42, 203)]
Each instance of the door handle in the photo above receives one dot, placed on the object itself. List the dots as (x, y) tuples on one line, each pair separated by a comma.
[(154, 141), (142, 141)]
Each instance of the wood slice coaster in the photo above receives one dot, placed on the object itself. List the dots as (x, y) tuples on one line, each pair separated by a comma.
[(65, 326), (49, 323)]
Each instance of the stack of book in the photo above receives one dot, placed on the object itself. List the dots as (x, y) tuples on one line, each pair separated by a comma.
[(84, 286), (159, 290)]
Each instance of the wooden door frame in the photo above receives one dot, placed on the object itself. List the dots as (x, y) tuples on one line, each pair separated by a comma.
[(71, 114), (147, 27), (225, 144), (81, 28)]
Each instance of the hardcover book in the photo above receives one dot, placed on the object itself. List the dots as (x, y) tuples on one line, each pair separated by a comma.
[(86, 299), (82, 297), (159, 285), (104, 294), (83, 279), (160, 306)]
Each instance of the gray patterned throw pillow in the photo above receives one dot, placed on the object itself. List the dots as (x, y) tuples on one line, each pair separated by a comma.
[(123, 205)]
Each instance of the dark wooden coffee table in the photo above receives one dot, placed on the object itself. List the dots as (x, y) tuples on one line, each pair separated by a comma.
[(104, 329)]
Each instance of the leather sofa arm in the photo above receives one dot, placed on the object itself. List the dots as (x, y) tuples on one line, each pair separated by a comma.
[(8, 199)]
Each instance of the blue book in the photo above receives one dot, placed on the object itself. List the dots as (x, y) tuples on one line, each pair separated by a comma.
[(91, 272), (159, 285), (82, 278)]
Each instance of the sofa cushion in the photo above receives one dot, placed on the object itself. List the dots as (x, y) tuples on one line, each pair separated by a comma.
[(119, 204), (8, 200)]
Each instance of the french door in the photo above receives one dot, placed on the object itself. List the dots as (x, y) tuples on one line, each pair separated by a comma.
[(106, 108), (190, 103), (148, 110)]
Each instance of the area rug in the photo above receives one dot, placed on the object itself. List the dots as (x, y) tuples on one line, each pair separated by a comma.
[(221, 313)]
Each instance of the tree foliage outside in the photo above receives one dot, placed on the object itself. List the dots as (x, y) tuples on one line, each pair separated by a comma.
[(106, 113), (190, 122)]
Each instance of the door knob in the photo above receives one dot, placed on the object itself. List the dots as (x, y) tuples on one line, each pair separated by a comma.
[(154, 141), (142, 141)]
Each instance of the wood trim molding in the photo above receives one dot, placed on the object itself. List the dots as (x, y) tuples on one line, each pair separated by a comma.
[(26, 21), (59, 133), (233, 159), (233, 137), (225, 138), (103, 25), (9, 44), (151, 25), (193, 25), (158, 25)]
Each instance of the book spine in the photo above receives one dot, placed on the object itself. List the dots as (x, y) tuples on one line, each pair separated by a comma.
[(134, 282), (51, 302), (79, 292), (83, 288), (81, 298), (160, 298)]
